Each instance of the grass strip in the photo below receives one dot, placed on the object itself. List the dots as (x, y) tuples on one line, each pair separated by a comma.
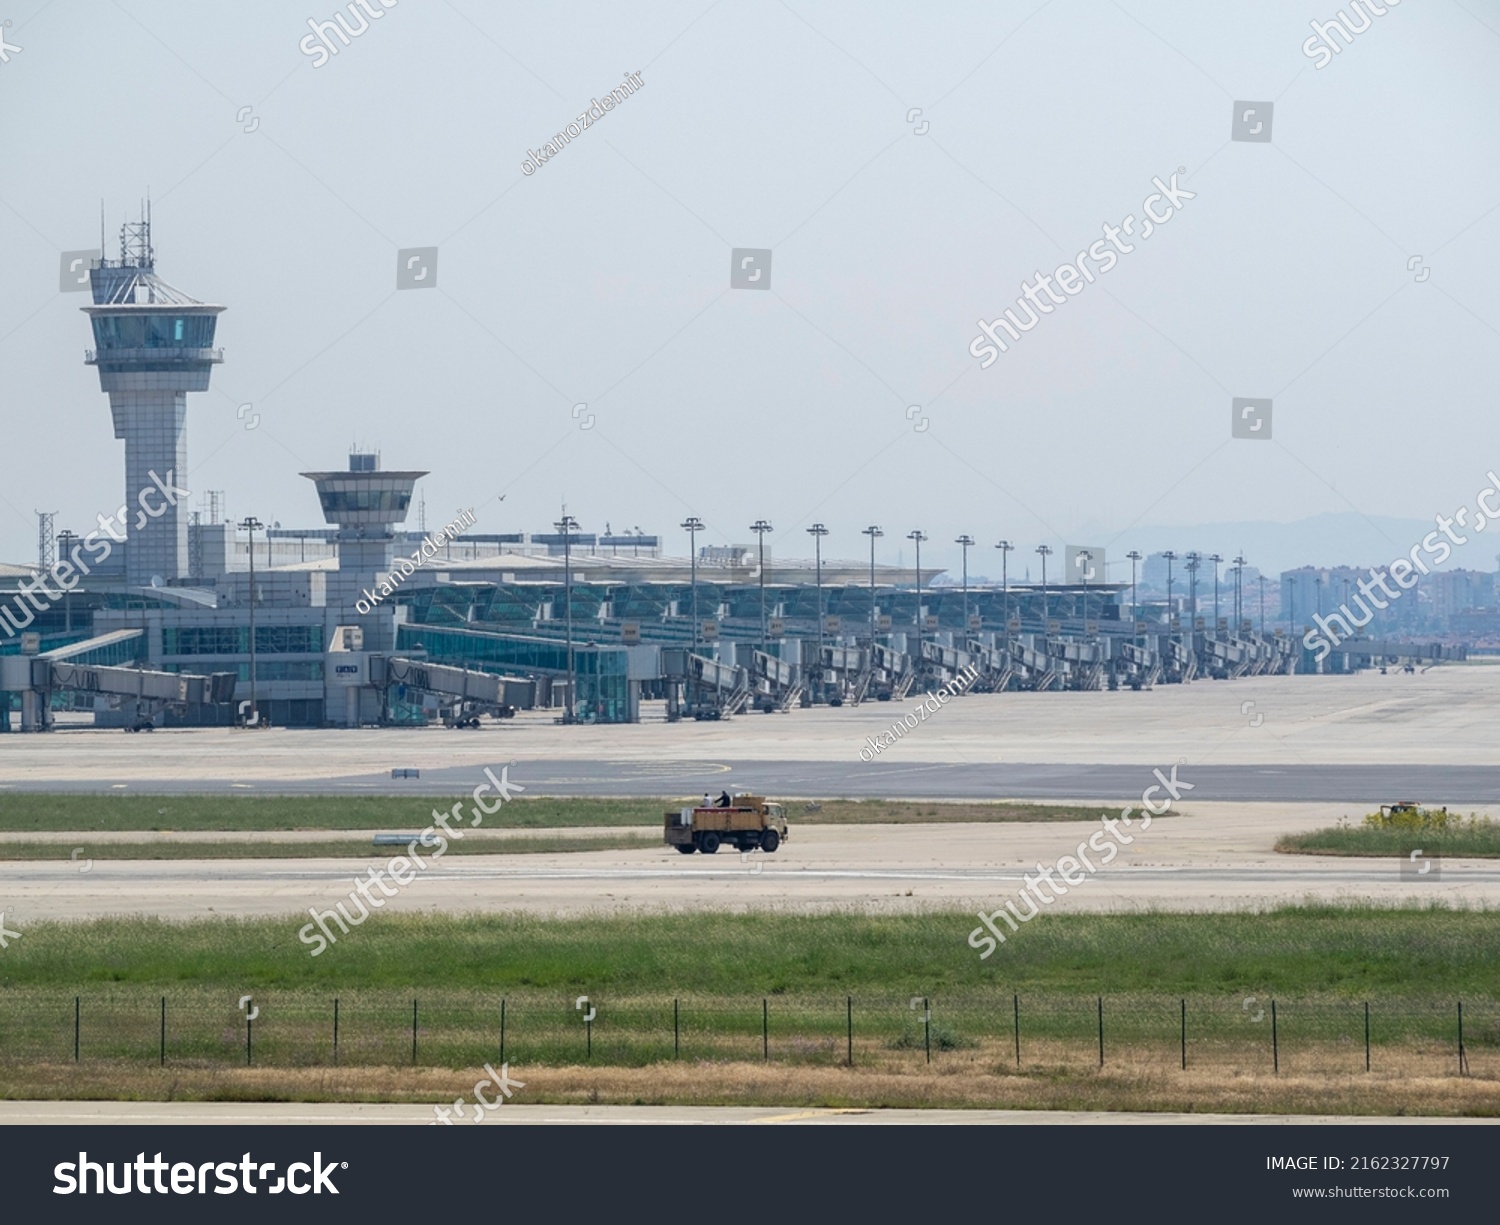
[(1048, 1080), (88, 813), (1352, 952), (343, 849), (1478, 842)]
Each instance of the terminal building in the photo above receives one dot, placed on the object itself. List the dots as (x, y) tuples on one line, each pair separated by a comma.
[(166, 616)]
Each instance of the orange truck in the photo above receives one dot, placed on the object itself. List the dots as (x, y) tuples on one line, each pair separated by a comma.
[(747, 823)]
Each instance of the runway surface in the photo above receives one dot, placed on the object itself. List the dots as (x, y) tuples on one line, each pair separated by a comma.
[(1365, 784), (127, 1114), (1362, 736), (1219, 857), (1366, 738)]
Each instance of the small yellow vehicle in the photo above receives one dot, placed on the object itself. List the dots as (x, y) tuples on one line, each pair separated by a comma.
[(746, 822)]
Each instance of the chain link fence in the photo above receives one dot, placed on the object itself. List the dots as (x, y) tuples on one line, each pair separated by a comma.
[(1030, 1032)]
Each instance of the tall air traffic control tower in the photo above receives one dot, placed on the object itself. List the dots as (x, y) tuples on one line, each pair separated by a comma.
[(154, 344)]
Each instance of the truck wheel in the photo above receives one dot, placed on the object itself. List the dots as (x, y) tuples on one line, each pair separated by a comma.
[(686, 848), (769, 841), (708, 843)]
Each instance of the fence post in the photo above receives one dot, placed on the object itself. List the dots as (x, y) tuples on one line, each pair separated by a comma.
[(335, 1031), (1101, 1031), (1463, 1059), (927, 1027), (249, 1032), (1184, 1035), (849, 1007), (765, 1028), (676, 1032), (1016, 1003), (1367, 1035), (76, 1009), (1275, 1049), (414, 1031), (502, 1030), (163, 1031)]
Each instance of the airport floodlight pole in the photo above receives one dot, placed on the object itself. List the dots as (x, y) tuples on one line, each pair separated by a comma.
[(1086, 558), (65, 541), (817, 531), (1171, 557), (692, 525), (966, 541), (874, 533), (917, 537), (1216, 559), (1135, 615), (1044, 552), (760, 527), (1262, 605), (567, 525), (1194, 560), (250, 524), (1239, 601), (1005, 548)]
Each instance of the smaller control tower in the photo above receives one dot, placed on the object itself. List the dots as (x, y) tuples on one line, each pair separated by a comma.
[(154, 345), (365, 504)]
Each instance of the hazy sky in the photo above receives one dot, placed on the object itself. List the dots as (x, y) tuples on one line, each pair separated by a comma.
[(604, 278)]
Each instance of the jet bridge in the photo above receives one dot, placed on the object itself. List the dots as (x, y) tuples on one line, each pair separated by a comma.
[(994, 666), (470, 693), (837, 671), (1135, 666), (71, 669), (713, 690)]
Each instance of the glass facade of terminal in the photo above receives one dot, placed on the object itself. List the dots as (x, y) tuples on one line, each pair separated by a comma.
[(601, 672), (235, 639)]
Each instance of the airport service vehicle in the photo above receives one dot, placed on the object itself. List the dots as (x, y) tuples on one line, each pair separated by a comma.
[(749, 822)]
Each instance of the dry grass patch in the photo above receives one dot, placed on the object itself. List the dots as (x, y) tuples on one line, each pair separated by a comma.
[(1051, 1078)]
